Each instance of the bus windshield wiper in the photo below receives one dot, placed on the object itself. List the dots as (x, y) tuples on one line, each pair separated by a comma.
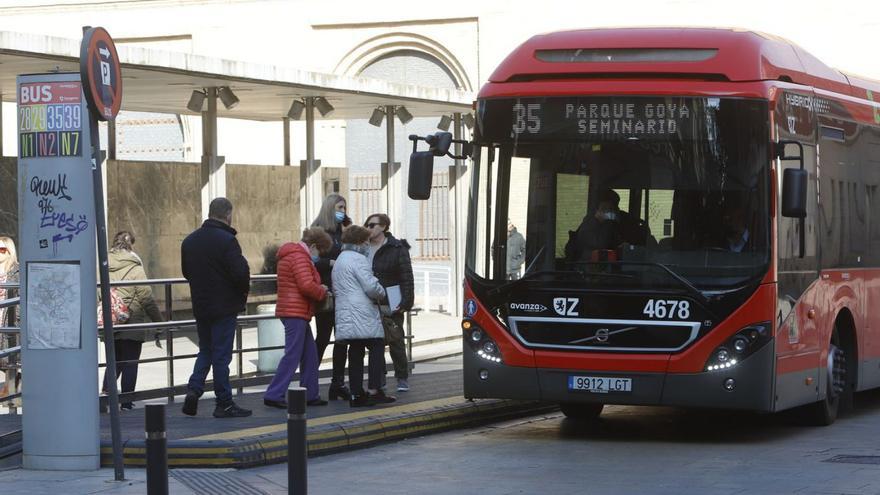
[(691, 288), (506, 287)]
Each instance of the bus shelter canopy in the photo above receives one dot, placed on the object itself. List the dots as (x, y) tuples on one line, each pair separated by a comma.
[(162, 82)]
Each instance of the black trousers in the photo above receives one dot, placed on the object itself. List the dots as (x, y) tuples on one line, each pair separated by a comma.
[(375, 368), (126, 350), (324, 323), (397, 350)]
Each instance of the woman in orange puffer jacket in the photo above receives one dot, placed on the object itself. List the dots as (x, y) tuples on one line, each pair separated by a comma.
[(299, 288)]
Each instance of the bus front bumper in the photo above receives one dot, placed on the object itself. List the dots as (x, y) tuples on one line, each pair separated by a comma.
[(752, 384)]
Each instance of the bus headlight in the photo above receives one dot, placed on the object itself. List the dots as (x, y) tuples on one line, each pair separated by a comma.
[(739, 346), (481, 343)]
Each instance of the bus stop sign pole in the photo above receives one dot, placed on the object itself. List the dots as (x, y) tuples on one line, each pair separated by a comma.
[(102, 84)]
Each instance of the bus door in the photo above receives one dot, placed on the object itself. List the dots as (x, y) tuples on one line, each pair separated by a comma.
[(797, 336)]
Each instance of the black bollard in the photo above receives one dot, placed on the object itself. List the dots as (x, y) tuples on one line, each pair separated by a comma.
[(157, 450), (297, 448)]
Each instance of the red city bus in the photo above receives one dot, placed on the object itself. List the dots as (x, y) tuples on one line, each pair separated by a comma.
[(700, 211)]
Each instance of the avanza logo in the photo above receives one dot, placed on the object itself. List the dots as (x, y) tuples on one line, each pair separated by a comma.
[(528, 307)]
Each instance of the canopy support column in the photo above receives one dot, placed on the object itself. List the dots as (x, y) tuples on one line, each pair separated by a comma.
[(213, 166)]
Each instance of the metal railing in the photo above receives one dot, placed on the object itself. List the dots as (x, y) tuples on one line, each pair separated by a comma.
[(172, 327)]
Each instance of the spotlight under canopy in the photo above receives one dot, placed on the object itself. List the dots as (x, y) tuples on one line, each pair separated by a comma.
[(404, 115), (468, 120), (323, 106), (296, 110), (445, 122), (196, 101), (377, 117), (228, 98)]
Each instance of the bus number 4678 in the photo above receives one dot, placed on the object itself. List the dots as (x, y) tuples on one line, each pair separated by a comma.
[(667, 309)]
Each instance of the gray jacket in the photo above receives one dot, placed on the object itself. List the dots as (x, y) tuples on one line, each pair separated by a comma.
[(356, 292)]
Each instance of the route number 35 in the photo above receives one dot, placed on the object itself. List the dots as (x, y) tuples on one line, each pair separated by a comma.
[(667, 309)]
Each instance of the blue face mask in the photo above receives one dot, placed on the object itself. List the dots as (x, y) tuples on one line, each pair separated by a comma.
[(315, 258), (340, 216)]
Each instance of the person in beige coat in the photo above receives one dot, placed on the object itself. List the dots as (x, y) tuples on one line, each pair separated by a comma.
[(125, 264)]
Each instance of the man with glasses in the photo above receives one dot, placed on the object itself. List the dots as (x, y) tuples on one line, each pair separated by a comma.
[(391, 264)]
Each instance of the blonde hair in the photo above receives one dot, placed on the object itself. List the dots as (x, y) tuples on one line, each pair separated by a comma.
[(326, 218), (13, 257)]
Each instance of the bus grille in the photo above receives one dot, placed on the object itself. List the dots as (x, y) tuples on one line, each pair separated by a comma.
[(604, 335)]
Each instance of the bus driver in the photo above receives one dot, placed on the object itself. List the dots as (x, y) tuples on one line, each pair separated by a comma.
[(606, 229)]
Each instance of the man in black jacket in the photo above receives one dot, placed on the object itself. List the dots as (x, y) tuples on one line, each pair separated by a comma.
[(219, 280), (391, 264)]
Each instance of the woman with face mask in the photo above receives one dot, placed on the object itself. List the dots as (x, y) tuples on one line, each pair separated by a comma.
[(332, 218), (358, 321), (299, 289), (8, 274)]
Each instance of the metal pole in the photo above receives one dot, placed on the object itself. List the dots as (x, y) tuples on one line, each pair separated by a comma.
[(111, 139), (104, 271), (169, 344), (297, 448), (286, 122), (239, 360), (390, 188), (307, 168), (157, 449), (409, 359)]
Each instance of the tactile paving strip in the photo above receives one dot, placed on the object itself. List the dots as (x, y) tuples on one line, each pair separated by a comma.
[(213, 482)]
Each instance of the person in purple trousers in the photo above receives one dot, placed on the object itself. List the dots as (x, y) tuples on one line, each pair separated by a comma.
[(299, 289)]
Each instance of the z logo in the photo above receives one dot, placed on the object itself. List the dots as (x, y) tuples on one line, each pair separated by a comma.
[(565, 306)]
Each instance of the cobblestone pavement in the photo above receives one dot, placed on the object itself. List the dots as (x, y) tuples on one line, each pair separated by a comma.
[(631, 450)]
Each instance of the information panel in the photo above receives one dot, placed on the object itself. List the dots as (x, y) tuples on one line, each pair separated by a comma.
[(56, 248), (50, 120)]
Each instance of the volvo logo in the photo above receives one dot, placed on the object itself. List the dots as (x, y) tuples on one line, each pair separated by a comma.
[(601, 336)]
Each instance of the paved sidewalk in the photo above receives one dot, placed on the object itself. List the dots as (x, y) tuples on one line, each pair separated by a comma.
[(433, 404)]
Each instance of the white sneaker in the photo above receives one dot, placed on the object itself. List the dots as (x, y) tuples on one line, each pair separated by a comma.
[(402, 385)]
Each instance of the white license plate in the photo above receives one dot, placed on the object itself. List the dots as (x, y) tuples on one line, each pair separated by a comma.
[(600, 384)]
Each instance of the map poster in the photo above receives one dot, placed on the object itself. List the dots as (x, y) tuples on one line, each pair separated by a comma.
[(53, 305)]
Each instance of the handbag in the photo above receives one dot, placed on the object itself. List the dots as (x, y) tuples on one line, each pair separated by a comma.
[(393, 331), (326, 305), (119, 311)]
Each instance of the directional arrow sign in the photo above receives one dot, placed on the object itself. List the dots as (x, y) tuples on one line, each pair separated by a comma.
[(101, 73)]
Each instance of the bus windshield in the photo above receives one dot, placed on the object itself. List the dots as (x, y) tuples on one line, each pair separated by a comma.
[(643, 191)]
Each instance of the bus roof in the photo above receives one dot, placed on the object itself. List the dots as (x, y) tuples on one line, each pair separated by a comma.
[(712, 54)]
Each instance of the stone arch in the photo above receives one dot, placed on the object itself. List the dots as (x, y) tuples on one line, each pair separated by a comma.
[(379, 47)]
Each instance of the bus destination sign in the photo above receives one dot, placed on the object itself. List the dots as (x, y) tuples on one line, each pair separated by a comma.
[(595, 118)]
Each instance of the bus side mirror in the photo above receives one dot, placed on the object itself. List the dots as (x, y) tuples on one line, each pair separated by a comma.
[(421, 173), (794, 193)]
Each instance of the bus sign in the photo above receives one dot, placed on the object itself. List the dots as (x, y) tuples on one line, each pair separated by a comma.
[(101, 73)]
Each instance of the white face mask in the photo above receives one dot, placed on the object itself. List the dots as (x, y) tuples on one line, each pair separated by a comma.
[(608, 215)]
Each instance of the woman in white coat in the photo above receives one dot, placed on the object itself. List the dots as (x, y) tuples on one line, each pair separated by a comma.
[(357, 293)]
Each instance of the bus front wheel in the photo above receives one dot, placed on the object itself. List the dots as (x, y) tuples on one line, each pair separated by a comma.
[(824, 412), (581, 411)]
